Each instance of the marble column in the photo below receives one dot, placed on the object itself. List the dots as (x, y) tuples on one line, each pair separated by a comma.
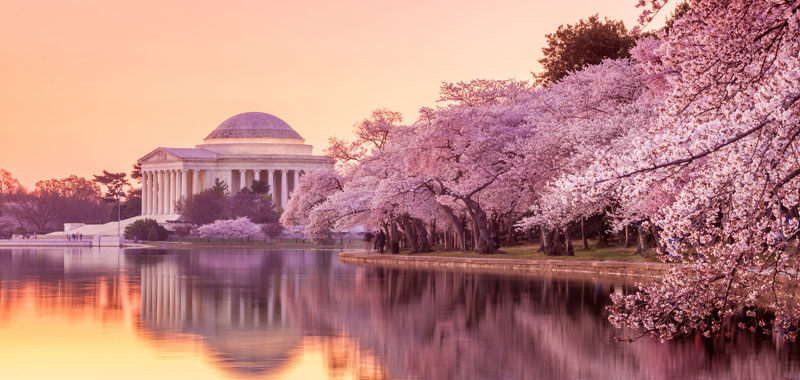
[(178, 189), (271, 183), (167, 186), (184, 185), (242, 179), (195, 181), (257, 175), (151, 190), (144, 192), (296, 178), (284, 189), (171, 192), (166, 192), (161, 192), (177, 192)]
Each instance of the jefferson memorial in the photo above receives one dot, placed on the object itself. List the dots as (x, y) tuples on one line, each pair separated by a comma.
[(245, 148)]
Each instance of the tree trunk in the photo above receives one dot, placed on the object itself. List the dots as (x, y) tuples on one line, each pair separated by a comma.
[(602, 236), (494, 230), (423, 243), (583, 236), (569, 251), (433, 236), (512, 236), (545, 241), (656, 238), (458, 227), (558, 244), (627, 236), (642, 245), (483, 240), (394, 246), (409, 235), (474, 238)]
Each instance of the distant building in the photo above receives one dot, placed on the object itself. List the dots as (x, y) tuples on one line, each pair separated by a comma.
[(247, 147)]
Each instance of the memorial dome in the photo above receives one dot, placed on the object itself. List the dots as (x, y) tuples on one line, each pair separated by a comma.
[(254, 125)]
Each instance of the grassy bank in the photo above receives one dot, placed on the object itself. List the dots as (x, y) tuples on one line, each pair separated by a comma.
[(523, 251), (530, 252)]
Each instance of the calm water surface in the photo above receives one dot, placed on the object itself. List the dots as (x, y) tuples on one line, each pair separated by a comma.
[(254, 314)]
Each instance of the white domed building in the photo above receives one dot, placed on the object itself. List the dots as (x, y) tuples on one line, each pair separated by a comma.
[(245, 148)]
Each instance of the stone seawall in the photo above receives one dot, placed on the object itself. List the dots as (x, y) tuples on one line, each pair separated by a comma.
[(40, 243), (613, 268)]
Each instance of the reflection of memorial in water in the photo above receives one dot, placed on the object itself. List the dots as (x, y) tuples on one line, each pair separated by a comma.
[(237, 307), (239, 311), (171, 301)]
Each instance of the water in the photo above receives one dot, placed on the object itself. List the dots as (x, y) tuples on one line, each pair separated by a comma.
[(207, 314)]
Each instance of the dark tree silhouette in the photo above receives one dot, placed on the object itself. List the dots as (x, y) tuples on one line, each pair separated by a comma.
[(260, 187), (57, 201), (136, 173), (259, 208), (114, 183), (588, 42), (203, 208)]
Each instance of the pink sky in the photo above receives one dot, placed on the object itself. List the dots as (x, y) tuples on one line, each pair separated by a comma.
[(93, 85)]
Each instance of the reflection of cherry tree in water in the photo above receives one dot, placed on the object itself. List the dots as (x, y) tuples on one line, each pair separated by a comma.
[(462, 325)]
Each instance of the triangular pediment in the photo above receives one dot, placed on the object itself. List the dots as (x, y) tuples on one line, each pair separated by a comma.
[(159, 155)]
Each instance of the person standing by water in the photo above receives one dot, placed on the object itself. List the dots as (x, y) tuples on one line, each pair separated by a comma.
[(380, 241), (368, 239)]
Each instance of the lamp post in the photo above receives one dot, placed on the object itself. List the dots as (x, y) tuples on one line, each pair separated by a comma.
[(119, 216)]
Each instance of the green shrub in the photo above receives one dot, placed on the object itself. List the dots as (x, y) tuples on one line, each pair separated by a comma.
[(6, 227), (146, 229), (153, 234)]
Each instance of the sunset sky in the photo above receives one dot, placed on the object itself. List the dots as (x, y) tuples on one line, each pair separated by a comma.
[(93, 85)]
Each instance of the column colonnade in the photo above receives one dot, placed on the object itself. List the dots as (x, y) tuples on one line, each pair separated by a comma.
[(163, 188)]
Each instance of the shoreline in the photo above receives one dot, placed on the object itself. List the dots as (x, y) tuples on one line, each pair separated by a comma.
[(507, 266), (288, 245)]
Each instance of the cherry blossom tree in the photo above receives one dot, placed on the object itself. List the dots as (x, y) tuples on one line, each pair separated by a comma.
[(692, 140), (464, 148), (241, 228), (725, 152), (588, 114), (312, 190)]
